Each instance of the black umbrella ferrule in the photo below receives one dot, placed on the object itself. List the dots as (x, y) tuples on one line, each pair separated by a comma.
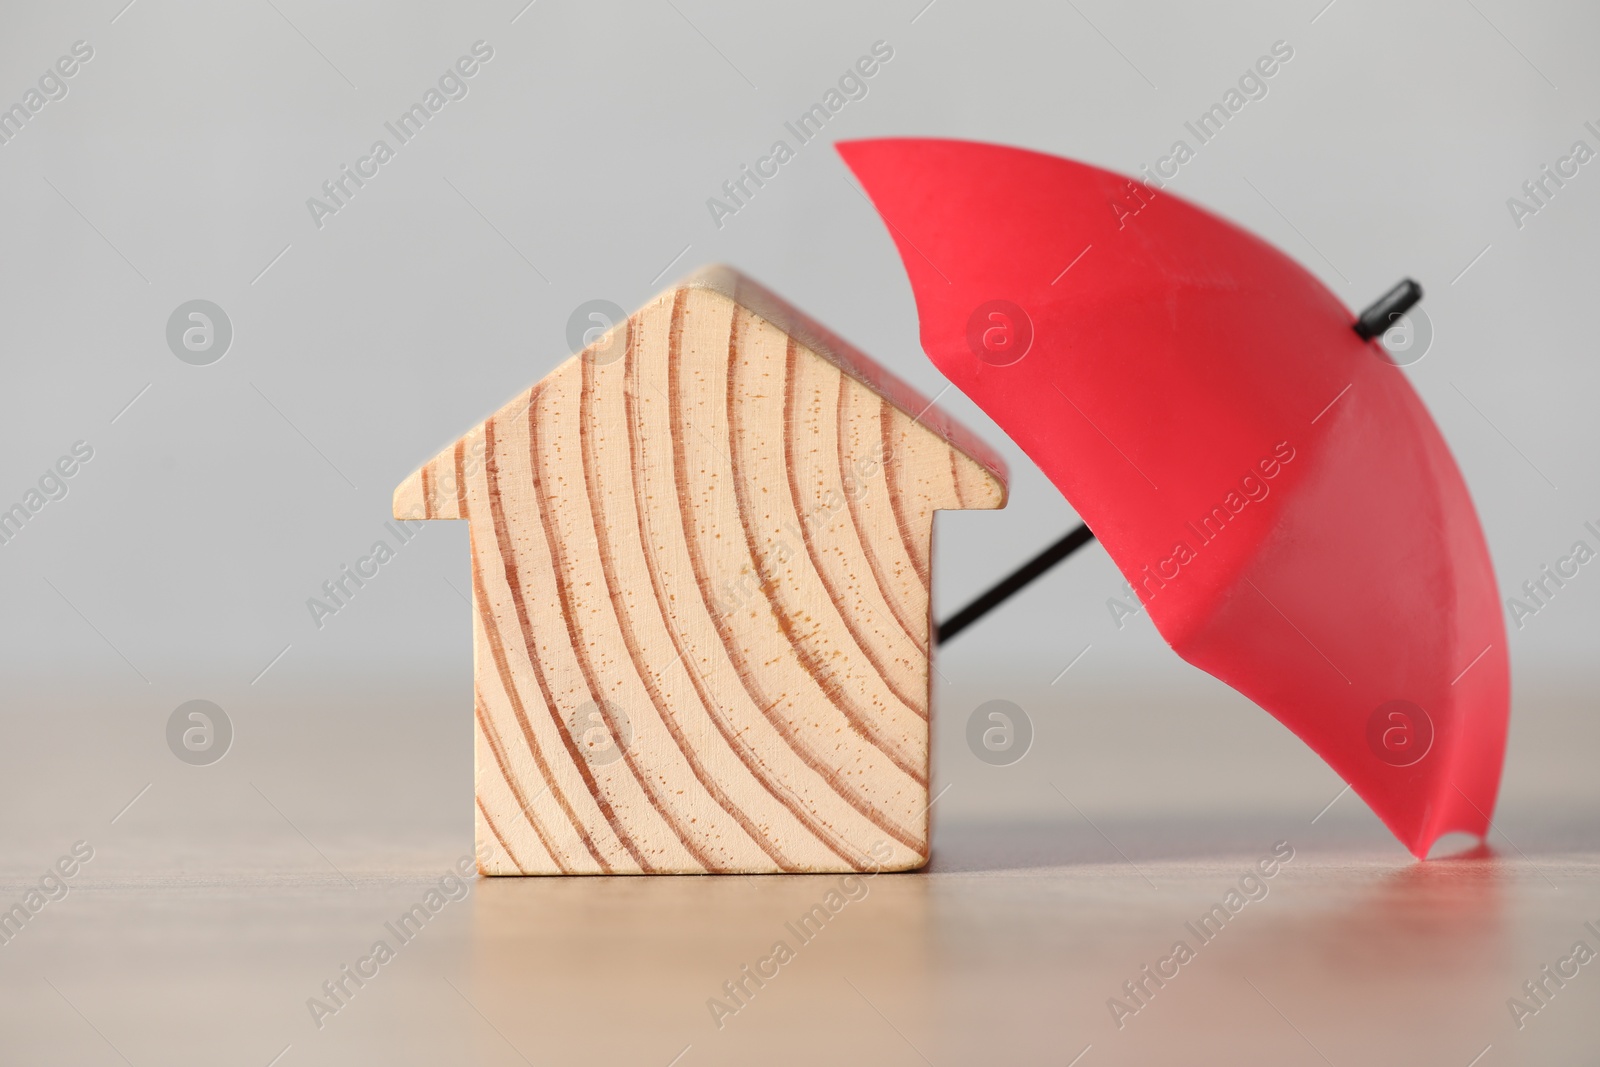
[(1382, 313)]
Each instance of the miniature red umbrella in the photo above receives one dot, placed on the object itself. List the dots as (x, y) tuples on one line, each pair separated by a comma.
[(1263, 475)]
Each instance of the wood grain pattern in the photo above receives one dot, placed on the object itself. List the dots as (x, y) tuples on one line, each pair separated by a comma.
[(700, 569)]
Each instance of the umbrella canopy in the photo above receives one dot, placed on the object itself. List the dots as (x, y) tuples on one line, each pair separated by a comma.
[(1266, 479)]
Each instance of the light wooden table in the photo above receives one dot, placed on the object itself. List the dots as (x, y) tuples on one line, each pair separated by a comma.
[(221, 898), (1006, 952)]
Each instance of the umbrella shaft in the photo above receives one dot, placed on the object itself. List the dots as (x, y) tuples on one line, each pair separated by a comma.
[(1013, 583)]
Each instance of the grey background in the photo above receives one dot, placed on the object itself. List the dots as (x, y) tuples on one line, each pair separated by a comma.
[(578, 168)]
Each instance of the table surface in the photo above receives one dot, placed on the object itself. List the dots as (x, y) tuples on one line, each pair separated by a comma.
[(1009, 949), (221, 898)]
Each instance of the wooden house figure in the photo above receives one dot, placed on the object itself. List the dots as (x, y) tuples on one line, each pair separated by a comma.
[(700, 582)]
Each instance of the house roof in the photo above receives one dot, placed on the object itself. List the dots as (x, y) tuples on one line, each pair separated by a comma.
[(807, 332)]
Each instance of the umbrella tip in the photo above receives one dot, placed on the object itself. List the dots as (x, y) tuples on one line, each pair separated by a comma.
[(1380, 315)]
